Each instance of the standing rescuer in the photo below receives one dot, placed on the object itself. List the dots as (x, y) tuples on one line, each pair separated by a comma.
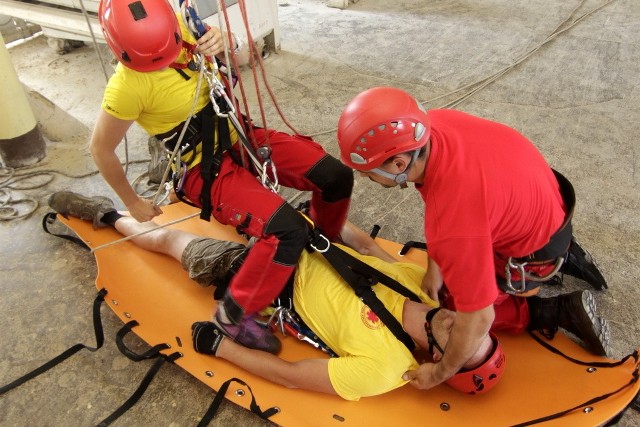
[(155, 85), (497, 221)]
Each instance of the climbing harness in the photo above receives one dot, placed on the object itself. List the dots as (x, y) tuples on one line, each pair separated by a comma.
[(362, 277), (223, 109), (553, 253)]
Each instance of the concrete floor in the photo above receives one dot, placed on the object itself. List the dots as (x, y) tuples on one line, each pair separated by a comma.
[(577, 97)]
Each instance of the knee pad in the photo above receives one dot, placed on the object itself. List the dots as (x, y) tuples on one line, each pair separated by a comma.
[(292, 232), (334, 179)]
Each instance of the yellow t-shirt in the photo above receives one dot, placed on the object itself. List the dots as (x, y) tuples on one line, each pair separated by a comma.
[(371, 359), (158, 100)]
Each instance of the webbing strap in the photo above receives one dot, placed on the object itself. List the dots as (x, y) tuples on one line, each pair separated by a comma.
[(48, 220), (97, 327), (634, 378), (635, 355), (214, 129), (412, 244), (144, 384), (217, 401), (149, 354), (587, 403), (361, 277)]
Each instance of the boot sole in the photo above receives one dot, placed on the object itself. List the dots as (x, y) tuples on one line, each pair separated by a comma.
[(600, 326), (589, 271)]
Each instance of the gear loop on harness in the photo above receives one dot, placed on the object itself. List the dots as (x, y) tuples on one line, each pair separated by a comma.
[(525, 275)]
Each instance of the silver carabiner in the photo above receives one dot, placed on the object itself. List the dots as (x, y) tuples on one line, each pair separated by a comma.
[(507, 275)]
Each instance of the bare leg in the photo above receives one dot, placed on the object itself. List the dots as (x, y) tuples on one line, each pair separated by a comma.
[(167, 241)]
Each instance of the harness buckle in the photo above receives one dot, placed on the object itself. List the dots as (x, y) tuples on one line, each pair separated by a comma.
[(321, 250)]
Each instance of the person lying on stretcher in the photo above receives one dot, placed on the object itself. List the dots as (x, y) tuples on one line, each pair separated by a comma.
[(371, 360)]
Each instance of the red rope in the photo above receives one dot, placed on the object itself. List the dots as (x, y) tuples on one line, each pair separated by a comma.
[(254, 56), (234, 61), (258, 56)]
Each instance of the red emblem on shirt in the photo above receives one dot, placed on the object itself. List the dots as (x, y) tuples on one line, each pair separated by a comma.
[(370, 319)]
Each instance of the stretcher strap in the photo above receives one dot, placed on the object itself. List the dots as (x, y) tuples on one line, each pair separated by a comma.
[(217, 401), (635, 355), (153, 352), (133, 399), (97, 327), (412, 244), (634, 378), (48, 220)]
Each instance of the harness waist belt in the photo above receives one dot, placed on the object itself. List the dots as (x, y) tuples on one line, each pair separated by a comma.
[(193, 134), (560, 240)]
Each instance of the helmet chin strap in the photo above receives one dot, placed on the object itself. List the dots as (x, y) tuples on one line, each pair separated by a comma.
[(400, 178)]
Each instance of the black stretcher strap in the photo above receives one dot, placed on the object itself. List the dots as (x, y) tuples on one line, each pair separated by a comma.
[(97, 327), (149, 354), (412, 244), (48, 220), (582, 405), (217, 401), (634, 378), (361, 277), (144, 384), (153, 352), (635, 355)]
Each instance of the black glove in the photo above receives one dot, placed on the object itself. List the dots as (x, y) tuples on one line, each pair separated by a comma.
[(206, 337)]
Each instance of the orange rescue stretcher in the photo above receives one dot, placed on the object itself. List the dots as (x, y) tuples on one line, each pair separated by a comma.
[(154, 293)]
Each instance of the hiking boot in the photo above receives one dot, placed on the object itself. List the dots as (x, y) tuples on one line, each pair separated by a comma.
[(580, 264), (92, 209), (250, 334), (574, 312), (159, 160)]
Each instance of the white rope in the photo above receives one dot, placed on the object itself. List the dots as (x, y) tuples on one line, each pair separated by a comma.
[(132, 236), (480, 84)]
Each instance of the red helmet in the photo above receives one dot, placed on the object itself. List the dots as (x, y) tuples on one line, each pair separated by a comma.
[(484, 377), (143, 34), (379, 123)]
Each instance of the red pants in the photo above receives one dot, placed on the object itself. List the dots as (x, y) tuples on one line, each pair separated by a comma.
[(240, 200), (512, 313)]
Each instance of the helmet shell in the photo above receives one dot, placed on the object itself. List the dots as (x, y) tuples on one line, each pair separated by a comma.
[(378, 124), (143, 34), (483, 378)]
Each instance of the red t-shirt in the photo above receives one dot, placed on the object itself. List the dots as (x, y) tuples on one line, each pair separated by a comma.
[(487, 191)]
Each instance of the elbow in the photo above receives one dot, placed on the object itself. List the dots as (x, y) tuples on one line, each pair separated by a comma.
[(93, 150)]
